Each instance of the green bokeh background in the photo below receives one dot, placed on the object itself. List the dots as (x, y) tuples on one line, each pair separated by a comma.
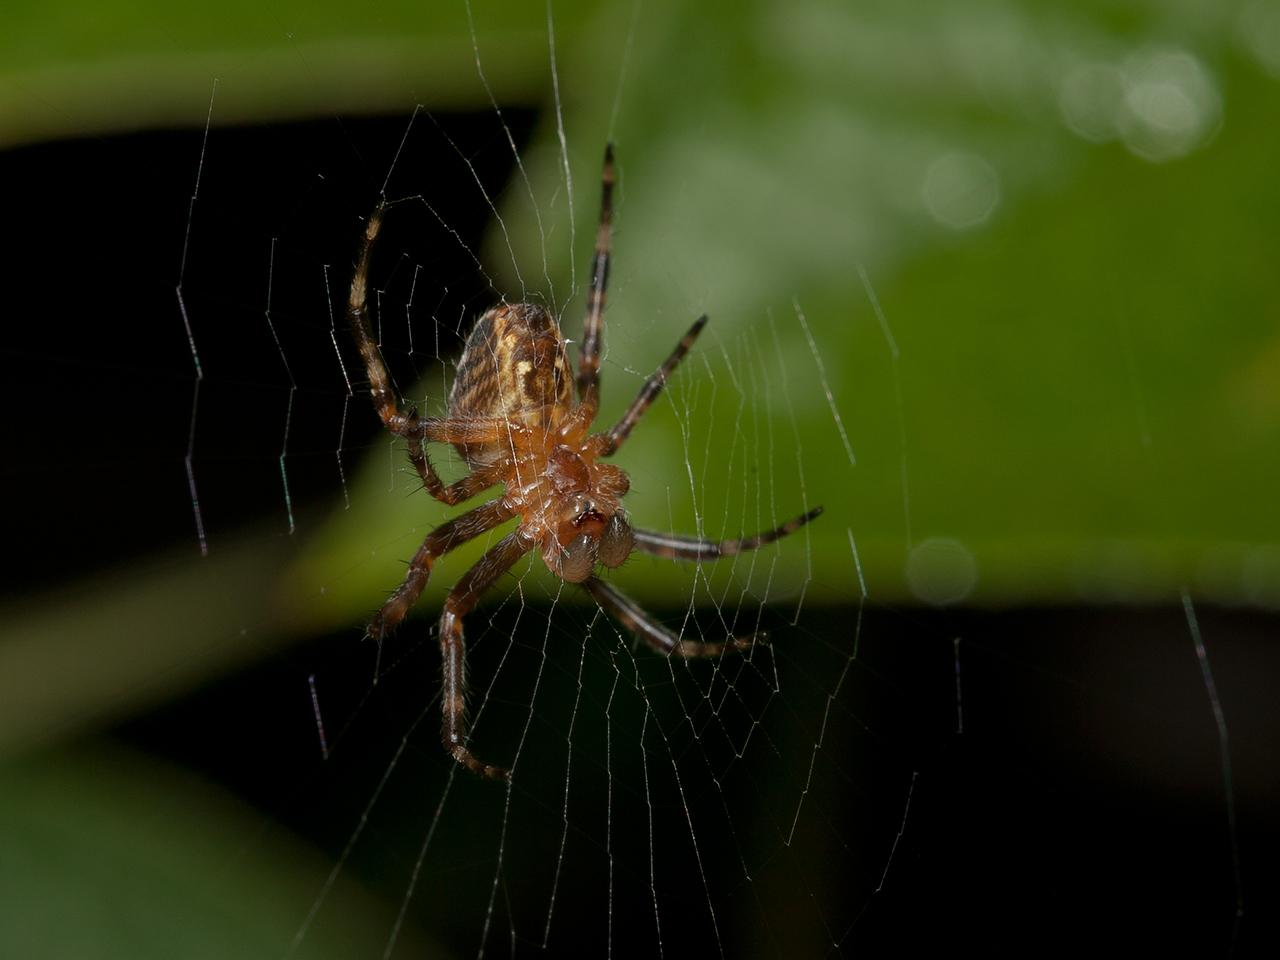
[(1085, 392)]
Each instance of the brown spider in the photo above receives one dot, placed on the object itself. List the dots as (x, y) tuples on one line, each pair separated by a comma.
[(512, 419)]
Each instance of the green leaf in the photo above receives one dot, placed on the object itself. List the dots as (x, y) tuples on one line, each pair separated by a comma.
[(78, 67), (105, 854)]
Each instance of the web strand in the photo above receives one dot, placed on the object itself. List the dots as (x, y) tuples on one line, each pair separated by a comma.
[(1224, 754), (189, 458)]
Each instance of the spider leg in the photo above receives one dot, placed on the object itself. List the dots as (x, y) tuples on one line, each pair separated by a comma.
[(458, 491), (461, 600), (593, 325), (438, 542), (695, 548), (463, 430), (477, 431), (634, 617), (652, 387), (384, 400)]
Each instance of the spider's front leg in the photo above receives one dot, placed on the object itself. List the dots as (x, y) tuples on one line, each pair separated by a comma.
[(453, 650)]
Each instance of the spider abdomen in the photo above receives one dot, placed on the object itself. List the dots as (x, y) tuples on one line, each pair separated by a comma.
[(514, 368)]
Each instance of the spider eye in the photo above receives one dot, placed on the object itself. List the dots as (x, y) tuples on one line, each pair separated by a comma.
[(578, 559), (616, 542)]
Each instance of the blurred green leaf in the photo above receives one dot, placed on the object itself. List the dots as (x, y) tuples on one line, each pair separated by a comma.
[(104, 854), (112, 646), (75, 66)]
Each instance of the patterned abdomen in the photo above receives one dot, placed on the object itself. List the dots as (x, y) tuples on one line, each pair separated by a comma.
[(514, 368)]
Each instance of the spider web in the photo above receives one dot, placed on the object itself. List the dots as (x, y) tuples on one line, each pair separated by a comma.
[(809, 798), (626, 764), (658, 805)]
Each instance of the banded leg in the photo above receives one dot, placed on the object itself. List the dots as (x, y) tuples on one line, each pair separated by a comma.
[(652, 387), (593, 325), (461, 600), (438, 542), (634, 617), (694, 548)]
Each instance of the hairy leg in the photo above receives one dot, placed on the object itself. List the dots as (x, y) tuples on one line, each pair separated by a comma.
[(438, 542), (460, 490), (384, 400), (651, 388), (694, 548), (634, 617), (461, 600)]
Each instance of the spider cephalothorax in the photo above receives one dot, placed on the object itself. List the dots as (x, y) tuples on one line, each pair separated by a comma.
[(513, 419)]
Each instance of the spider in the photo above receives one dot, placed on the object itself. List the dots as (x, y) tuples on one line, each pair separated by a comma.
[(512, 419)]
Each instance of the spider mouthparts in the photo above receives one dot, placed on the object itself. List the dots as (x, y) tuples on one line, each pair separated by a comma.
[(589, 516)]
